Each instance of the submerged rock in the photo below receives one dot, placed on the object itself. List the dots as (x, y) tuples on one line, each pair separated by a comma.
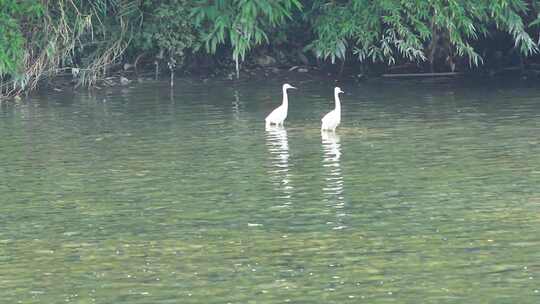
[(128, 66), (265, 60), (124, 81)]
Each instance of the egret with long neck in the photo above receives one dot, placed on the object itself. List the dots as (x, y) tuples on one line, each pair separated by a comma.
[(332, 120), (278, 116)]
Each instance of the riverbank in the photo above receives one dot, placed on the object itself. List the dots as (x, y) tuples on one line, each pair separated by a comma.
[(132, 76), (93, 41)]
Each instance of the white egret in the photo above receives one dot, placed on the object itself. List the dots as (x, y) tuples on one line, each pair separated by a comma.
[(331, 120), (280, 113)]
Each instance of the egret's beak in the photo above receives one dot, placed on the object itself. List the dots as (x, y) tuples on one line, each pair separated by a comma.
[(294, 87)]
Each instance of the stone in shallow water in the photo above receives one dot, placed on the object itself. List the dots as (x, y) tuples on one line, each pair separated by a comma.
[(265, 60)]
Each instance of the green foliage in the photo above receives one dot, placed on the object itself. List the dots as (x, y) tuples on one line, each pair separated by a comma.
[(11, 32), (86, 36), (41, 38), (241, 23), (96, 34), (382, 30), (167, 29)]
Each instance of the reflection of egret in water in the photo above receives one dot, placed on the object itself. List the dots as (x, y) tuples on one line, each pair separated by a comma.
[(333, 188), (278, 146)]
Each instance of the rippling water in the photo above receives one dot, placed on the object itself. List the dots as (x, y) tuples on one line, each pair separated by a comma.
[(427, 193)]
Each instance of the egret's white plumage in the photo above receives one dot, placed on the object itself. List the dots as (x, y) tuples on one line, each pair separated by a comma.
[(331, 120), (277, 117)]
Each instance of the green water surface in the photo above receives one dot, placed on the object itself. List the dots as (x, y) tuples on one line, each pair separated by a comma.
[(427, 193)]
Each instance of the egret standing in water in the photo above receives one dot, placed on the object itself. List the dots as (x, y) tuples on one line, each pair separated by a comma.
[(280, 113), (331, 120)]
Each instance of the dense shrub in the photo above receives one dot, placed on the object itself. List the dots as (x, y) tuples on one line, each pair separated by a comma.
[(241, 24), (167, 31), (41, 38), (415, 30), (14, 17)]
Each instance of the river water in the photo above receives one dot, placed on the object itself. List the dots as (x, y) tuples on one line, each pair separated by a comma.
[(429, 192)]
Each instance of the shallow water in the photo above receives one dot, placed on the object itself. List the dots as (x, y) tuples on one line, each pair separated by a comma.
[(427, 193)]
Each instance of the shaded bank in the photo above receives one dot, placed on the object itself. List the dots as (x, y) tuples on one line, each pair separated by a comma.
[(89, 40)]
